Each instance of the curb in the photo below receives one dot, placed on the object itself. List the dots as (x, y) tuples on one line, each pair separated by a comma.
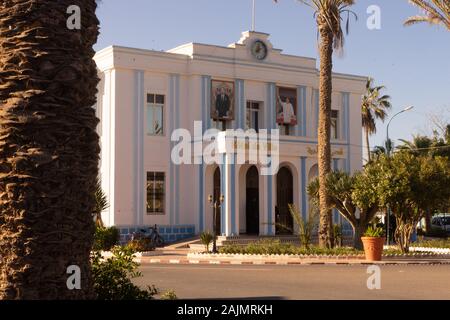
[(291, 263)]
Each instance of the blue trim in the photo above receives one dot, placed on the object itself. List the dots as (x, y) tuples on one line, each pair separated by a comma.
[(233, 195), (304, 133), (269, 205), (346, 105), (271, 104), (177, 168), (303, 181), (336, 214), (239, 122), (206, 103), (170, 128), (223, 191), (316, 107), (139, 132), (201, 192)]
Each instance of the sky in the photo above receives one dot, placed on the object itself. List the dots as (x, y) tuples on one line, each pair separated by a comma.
[(412, 62)]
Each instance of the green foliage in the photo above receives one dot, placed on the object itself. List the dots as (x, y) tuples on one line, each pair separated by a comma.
[(376, 232), (141, 245), (112, 276), (411, 185), (338, 236), (169, 295), (276, 247), (441, 243), (350, 195), (106, 238), (305, 228), (206, 238), (101, 203)]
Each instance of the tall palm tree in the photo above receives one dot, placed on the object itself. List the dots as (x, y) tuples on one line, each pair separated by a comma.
[(435, 12), (329, 18), (419, 146), (49, 148), (373, 106)]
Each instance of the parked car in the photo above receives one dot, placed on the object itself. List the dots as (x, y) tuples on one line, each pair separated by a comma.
[(442, 222)]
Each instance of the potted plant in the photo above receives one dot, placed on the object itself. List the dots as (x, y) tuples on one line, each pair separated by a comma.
[(373, 241)]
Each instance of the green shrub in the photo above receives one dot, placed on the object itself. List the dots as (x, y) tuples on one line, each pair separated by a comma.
[(441, 243), (276, 247), (305, 227), (141, 245), (106, 238), (206, 238), (376, 232), (112, 276), (169, 295), (338, 238)]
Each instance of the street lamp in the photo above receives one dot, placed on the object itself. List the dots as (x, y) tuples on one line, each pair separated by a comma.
[(388, 144), (388, 153), (215, 205)]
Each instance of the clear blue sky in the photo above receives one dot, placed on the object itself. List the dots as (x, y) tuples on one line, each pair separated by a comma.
[(412, 62)]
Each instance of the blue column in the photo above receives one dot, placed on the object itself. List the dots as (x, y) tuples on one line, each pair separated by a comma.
[(269, 205), (301, 111), (201, 195), (223, 191), (240, 110), (233, 195), (270, 113), (206, 102), (346, 127), (139, 133), (303, 187), (316, 111), (336, 215)]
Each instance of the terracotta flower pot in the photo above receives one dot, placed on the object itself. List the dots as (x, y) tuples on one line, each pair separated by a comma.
[(373, 248)]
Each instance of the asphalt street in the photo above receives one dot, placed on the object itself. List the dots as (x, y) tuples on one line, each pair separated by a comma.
[(299, 282)]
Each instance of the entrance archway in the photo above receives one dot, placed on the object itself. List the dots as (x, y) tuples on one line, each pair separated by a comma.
[(285, 196), (216, 196), (252, 201)]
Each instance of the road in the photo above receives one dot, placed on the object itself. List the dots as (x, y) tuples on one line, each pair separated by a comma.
[(298, 282)]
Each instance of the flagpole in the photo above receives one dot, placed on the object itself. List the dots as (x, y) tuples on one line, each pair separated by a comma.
[(253, 15)]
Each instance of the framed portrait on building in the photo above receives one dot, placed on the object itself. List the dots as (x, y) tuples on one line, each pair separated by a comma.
[(222, 100), (286, 106)]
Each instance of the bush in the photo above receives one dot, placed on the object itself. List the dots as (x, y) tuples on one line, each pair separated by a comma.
[(106, 238), (276, 247), (441, 243), (169, 295), (206, 238), (141, 245), (112, 276)]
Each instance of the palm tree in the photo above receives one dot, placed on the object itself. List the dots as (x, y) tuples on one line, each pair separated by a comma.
[(329, 18), (49, 148), (419, 146), (101, 204), (435, 12), (373, 107)]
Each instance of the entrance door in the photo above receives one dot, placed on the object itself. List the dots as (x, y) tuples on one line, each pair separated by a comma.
[(216, 198), (252, 201), (285, 196)]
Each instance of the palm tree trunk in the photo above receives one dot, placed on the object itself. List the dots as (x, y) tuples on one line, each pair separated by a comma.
[(48, 148), (324, 148), (367, 144)]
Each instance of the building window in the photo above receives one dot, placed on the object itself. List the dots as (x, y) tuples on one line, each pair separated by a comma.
[(334, 124), (155, 114), (252, 117), (155, 193)]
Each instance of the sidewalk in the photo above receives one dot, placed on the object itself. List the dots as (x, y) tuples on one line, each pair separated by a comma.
[(183, 256)]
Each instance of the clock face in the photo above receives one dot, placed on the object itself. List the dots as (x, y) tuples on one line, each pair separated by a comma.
[(259, 50)]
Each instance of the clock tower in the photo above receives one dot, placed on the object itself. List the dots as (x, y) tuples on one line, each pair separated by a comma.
[(257, 46)]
